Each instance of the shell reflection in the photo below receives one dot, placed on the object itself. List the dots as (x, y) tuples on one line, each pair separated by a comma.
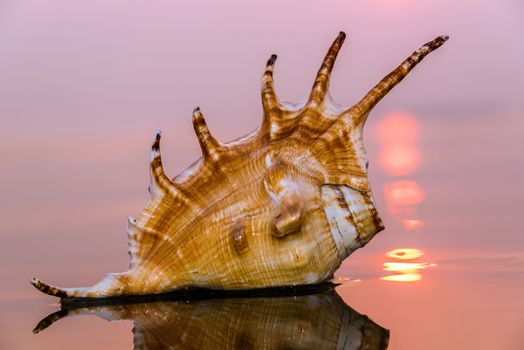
[(319, 321)]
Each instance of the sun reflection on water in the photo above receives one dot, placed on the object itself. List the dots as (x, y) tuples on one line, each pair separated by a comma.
[(405, 253), (404, 277), (405, 271)]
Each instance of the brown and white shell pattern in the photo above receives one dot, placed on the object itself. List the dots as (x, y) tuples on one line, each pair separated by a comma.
[(317, 321), (281, 206)]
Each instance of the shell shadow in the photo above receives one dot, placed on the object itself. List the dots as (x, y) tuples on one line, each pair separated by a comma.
[(270, 320)]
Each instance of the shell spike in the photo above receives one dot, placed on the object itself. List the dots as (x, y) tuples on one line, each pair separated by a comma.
[(50, 319), (48, 289), (270, 100), (210, 146), (321, 85), (392, 79), (131, 220), (159, 182), (113, 284)]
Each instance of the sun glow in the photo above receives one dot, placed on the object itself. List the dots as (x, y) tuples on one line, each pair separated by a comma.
[(398, 133), (412, 224), (402, 197), (400, 156)]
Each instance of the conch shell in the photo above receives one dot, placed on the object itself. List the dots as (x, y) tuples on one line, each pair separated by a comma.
[(281, 206), (318, 321)]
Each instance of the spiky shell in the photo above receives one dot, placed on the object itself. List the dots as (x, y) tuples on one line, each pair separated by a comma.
[(319, 321), (283, 205)]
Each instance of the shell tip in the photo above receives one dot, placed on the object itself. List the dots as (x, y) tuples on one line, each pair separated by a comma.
[(271, 60), (47, 289), (342, 34), (197, 115), (156, 143)]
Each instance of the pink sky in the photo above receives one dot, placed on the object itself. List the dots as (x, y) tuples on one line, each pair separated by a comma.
[(84, 84)]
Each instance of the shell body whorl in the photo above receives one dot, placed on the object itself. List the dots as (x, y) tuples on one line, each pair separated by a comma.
[(283, 205)]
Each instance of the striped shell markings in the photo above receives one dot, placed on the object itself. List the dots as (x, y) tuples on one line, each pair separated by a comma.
[(283, 205), (315, 321)]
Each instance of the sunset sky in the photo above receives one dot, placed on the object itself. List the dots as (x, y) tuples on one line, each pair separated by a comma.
[(85, 84)]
